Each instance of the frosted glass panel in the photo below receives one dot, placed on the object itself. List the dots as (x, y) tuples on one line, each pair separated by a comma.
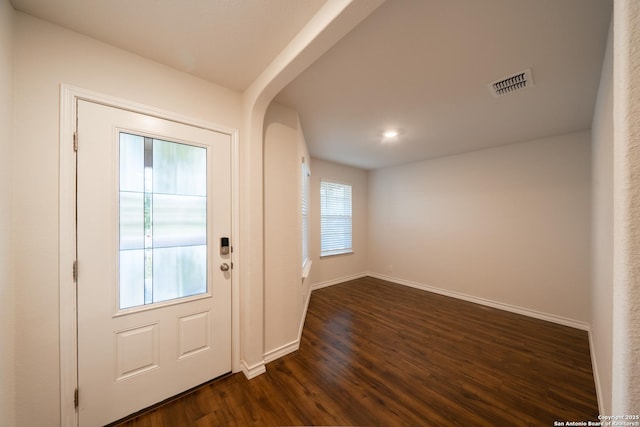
[(131, 278), (131, 220), (131, 162), (179, 272), (179, 220), (163, 220), (179, 169)]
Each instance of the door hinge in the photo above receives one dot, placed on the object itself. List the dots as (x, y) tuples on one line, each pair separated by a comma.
[(76, 400), (75, 270), (75, 141)]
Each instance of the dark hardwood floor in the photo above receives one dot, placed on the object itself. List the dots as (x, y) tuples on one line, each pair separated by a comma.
[(379, 354)]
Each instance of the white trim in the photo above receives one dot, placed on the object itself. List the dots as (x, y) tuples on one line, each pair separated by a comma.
[(252, 371), (336, 253), (489, 303), (69, 95), (277, 353), (123, 104), (596, 376), (235, 231), (324, 284), (66, 257)]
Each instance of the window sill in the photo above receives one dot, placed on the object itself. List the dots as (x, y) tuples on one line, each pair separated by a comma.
[(336, 253), (306, 268)]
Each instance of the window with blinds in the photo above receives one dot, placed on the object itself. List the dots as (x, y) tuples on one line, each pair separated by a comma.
[(305, 213), (335, 218)]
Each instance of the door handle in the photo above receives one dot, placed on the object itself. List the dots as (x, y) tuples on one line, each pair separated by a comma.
[(224, 266)]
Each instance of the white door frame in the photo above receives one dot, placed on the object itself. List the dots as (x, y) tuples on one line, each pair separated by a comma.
[(69, 95)]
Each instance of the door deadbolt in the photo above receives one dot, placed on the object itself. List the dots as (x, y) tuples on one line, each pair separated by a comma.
[(224, 246)]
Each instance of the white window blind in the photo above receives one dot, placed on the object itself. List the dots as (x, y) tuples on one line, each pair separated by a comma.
[(305, 213), (335, 218)]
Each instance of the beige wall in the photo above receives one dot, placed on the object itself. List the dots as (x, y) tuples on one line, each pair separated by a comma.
[(508, 225), (540, 187), (602, 231), (626, 215), (285, 294), (7, 290), (333, 269), (334, 20), (46, 56)]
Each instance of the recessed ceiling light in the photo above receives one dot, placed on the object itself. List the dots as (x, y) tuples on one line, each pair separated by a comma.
[(390, 134)]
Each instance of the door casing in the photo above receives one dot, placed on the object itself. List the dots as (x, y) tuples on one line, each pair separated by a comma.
[(67, 251)]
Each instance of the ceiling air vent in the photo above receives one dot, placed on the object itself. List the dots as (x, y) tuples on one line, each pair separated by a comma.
[(512, 83)]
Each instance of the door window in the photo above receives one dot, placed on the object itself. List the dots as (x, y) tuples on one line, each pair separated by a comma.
[(162, 220)]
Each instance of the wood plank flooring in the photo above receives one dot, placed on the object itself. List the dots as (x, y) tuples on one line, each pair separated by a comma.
[(379, 354)]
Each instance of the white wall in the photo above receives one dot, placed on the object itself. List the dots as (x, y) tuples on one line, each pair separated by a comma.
[(7, 290), (334, 19), (337, 268), (602, 231), (46, 56), (508, 224), (626, 214), (285, 294)]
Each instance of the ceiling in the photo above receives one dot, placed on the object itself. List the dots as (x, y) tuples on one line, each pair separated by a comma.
[(228, 42), (420, 66)]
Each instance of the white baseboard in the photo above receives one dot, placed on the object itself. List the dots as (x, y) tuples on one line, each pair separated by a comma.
[(489, 303), (252, 371), (285, 349), (277, 353), (596, 376), (339, 280)]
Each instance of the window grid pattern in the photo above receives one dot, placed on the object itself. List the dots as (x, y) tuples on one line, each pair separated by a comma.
[(163, 221)]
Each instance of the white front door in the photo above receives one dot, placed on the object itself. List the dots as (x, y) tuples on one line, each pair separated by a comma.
[(154, 301)]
